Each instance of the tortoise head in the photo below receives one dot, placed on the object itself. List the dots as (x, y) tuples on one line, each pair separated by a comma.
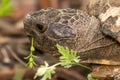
[(45, 27)]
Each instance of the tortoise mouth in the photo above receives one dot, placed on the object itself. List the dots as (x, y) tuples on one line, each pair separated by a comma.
[(44, 44)]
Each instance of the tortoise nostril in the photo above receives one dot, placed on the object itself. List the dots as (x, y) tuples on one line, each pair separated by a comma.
[(41, 27)]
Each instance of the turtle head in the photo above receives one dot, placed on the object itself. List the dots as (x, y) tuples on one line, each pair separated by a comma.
[(42, 25)]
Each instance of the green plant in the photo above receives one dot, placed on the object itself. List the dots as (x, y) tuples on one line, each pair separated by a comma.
[(67, 59), (31, 63), (5, 8), (46, 71), (90, 77), (19, 74)]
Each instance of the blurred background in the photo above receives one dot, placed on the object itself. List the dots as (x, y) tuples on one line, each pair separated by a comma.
[(14, 44)]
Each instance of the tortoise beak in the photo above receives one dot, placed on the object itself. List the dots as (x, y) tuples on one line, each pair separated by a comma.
[(28, 24), (28, 20)]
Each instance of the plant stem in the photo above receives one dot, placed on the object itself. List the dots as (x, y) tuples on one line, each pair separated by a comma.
[(32, 41), (84, 66), (56, 64), (32, 47)]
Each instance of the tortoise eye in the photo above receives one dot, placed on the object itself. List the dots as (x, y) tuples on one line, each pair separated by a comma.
[(41, 27)]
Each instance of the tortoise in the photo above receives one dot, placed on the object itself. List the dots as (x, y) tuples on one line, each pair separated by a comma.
[(96, 42)]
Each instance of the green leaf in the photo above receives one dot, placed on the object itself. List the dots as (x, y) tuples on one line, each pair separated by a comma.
[(31, 63), (5, 2), (90, 77), (5, 8), (46, 71), (68, 57), (32, 48)]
